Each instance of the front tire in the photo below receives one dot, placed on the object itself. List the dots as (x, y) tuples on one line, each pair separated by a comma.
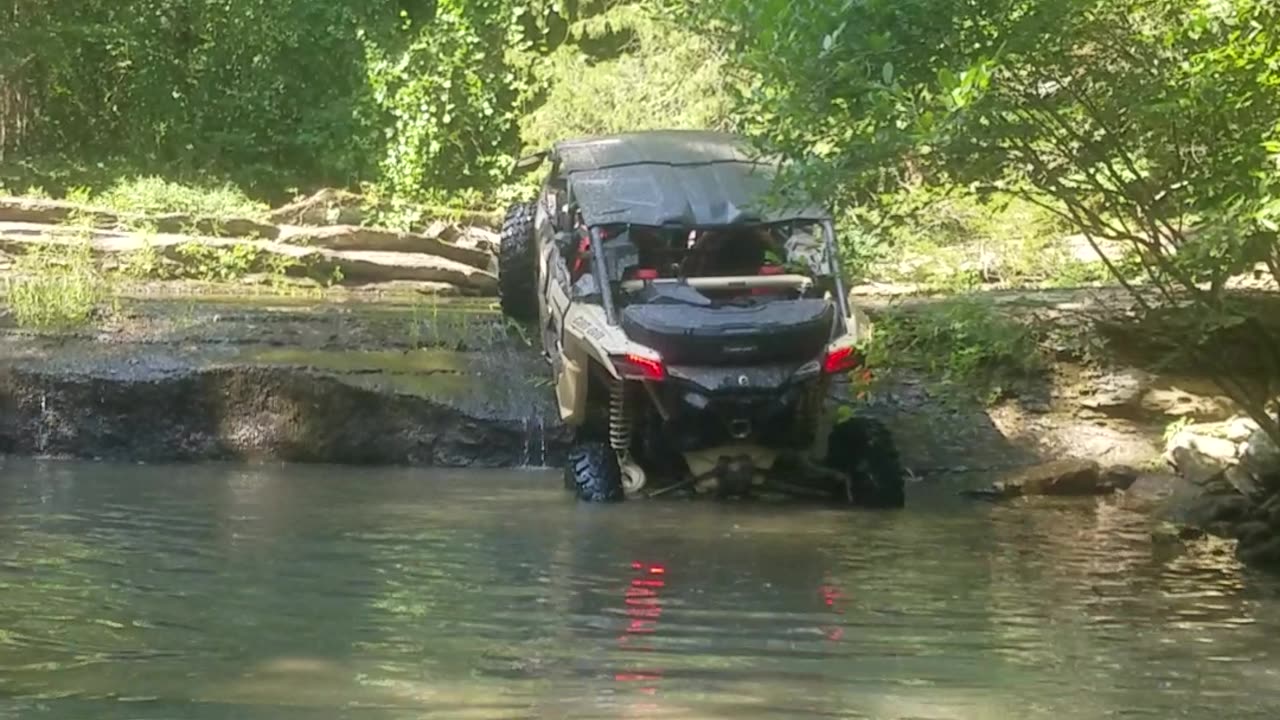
[(592, 472), (518, 264), (863, 450)]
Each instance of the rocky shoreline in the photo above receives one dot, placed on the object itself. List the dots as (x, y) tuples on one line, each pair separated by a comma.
[(388, 375), (293, 381)]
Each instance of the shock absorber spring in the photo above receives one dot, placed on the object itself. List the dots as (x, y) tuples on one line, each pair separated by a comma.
[(619, 422)]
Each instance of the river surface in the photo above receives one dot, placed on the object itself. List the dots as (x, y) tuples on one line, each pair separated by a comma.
[(268, 592)]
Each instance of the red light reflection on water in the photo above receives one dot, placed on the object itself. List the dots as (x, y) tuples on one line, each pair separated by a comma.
[(643, 602), (833, 597)]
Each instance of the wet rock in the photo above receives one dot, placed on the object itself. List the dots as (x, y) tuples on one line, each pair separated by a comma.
[(51, 212), (1264, 553), (161, 413), (348, 237), (1167, 533), (1270, 511), (1260, 457), (1198, 469), (377, 267), (1114, 391), (1225, 508), (216, 227), (1120, 477), (1176, 402), (1252, 532), (1061, 478), (1065, 477), (1243, 481)]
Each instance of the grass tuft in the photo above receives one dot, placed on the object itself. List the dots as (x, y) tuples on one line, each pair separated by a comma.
[(154, 195), (56, 287)]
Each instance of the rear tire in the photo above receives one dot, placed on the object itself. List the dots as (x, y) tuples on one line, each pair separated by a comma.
[(863, 450), (517, 264), (592, 472)]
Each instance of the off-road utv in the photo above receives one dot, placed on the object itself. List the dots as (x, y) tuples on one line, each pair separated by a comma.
[(694, 329)]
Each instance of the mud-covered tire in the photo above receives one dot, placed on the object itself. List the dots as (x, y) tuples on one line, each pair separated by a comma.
[(863, 450), (592, 473), (517, 264)]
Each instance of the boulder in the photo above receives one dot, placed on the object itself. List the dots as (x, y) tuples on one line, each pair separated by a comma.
[(1244, 482), (1197, 439), (1231, 509), (1271, 511), (1265, 553), (1260, 457), (326, 207), (1253, 532), (1175, 402), (1198, 469), (1120, 477), (1062, 478), (1114, 391), (479, 239), (379, 267), (1240, 429)]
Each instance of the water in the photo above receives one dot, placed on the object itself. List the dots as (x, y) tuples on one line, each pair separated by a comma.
[(226, 592)]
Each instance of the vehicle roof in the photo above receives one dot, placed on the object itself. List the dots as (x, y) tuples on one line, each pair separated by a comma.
[(691, 178)]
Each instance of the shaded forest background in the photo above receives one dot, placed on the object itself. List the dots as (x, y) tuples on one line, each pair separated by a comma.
[(418, 99), (959, 140)]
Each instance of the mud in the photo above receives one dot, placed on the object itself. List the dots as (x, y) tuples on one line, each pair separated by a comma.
[(402, 378), (208, 379)]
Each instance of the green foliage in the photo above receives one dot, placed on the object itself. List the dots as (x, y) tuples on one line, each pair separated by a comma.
[(191, 88), (448, 96), (964, 343), (55, 287), (1135, 120), (956, 241), (666, 75), (1151, 123), (154, 195), (430, 102)]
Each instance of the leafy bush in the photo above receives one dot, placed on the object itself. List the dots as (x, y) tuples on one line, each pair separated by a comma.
[(1148, 123), (964, 343), (154, 195)]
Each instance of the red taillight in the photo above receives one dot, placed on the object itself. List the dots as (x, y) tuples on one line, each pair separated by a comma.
[(645, 274), (639, 367), (841, 360), (772, 270)]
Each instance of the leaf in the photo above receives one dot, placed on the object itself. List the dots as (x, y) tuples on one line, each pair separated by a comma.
[(887, 73)]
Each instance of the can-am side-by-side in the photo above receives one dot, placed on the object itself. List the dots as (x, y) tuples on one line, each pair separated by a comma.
[(694, 333)]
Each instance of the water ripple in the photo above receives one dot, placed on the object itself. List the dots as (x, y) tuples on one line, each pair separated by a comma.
[(275, 592)]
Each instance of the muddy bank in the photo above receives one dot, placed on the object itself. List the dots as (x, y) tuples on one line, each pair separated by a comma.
[(287, 381), (404, 378)]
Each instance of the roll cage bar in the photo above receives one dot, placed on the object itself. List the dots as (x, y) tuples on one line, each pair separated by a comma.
[(566, 211)]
